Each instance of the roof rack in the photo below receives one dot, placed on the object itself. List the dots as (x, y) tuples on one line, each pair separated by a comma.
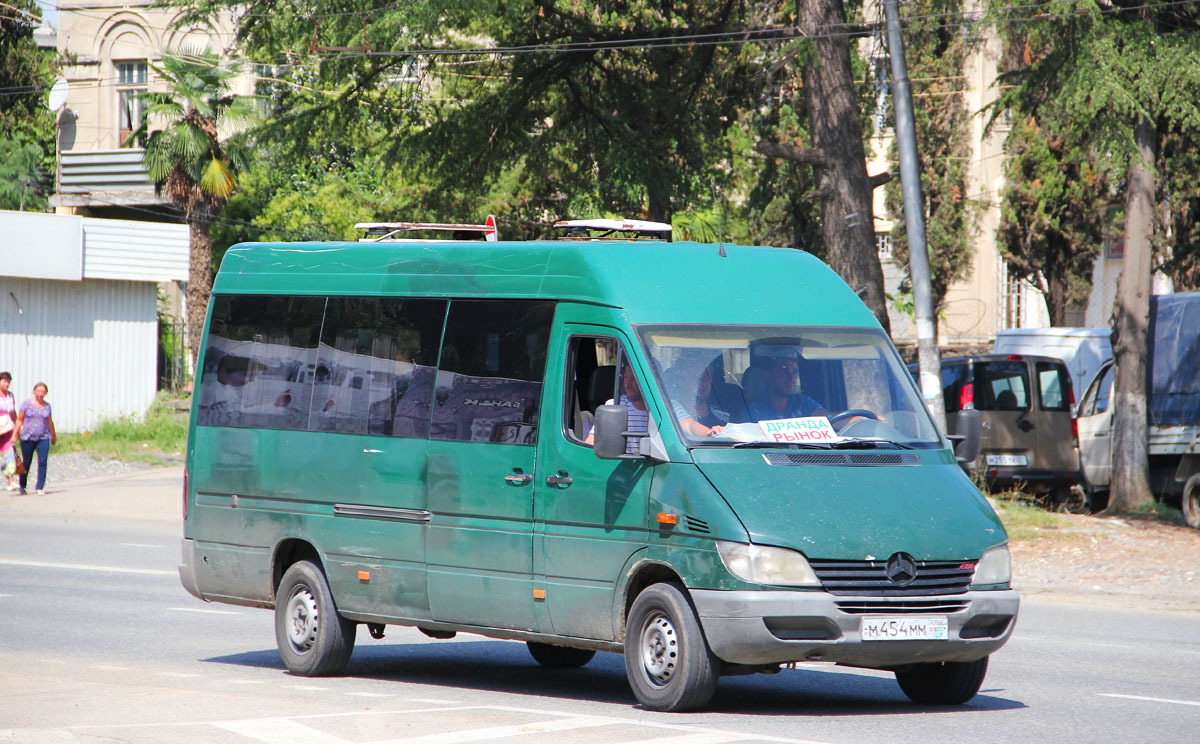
[(614, 229), (378, 232)]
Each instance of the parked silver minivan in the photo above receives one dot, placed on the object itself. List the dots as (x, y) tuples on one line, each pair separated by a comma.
[(1028, 437)]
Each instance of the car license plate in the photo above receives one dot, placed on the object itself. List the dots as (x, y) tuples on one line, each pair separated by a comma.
[(1006, 459), (925, 628)]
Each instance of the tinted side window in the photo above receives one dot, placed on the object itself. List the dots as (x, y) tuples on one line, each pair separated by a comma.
[(1052, 386), (376, 365), (259, 350), (1001, 386), (1104, 390), (953, 378), (489, 380)]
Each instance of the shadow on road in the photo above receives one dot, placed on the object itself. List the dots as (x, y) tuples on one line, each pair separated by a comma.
[(507, 667)]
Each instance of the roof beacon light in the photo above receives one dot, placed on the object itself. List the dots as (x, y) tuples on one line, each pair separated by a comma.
[(379, 232), (614, 229)]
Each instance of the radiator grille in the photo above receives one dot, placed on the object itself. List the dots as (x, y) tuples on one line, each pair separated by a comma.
[(869, 578)]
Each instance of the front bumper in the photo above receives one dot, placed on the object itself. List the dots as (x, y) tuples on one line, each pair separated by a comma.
[(770, 627)]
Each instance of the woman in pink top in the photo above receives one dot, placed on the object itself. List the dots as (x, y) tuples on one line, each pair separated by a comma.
[(8, 427), (35, 427)]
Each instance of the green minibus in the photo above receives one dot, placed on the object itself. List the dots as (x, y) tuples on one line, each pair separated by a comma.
[(709, 458)]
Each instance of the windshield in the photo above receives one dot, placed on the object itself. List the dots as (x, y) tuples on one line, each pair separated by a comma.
[(787, 385)]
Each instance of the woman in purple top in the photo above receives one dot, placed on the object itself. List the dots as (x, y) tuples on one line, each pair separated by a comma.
[(35, 427)]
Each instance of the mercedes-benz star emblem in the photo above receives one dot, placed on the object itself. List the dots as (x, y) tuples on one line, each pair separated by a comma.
[(901, 569)]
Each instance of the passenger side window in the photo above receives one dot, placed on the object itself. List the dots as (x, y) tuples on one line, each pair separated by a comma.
[(1052, 386), (489, 379), (257, 360), (376, 366), (591, 380), (1002, 386)]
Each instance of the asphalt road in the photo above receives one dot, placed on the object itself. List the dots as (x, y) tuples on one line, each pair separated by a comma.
[(99, 643)]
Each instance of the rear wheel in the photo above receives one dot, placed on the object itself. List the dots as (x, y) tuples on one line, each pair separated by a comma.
[(942, 683), (667, 659), (313, 639), (559, 657), (1191, 501)]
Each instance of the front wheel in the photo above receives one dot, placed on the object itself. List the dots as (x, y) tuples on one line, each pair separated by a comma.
[(667, 659), (313, 639), (942, 683), (1191, 501), (559, 657)]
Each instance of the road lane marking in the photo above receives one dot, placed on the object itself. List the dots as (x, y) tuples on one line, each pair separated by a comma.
[(143, 545), (279, 731), (1149, 699), (177, 675), (503, 732), (436, 701), (111, 668), (204, 611), (307, 688), (370, 694), (86, 567)]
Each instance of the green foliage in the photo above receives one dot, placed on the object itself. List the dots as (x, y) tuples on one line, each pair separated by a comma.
[(26, 124), (1075, 84), (21, 179), (936, 55), (162, 431)]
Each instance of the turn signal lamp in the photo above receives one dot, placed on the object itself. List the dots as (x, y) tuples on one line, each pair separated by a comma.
[(666, 518)]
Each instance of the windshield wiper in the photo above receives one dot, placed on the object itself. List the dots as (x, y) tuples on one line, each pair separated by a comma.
[(866, 443), (772, 445)]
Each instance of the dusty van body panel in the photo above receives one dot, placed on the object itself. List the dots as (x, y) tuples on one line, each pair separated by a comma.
[(400, 434)]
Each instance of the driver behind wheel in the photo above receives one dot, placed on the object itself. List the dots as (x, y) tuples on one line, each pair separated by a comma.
[(778, 366)]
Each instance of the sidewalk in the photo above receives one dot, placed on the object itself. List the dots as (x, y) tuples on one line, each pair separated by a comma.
[(153, 494)]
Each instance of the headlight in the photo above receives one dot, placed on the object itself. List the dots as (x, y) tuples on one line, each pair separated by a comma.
[(759, 564), (995, 567)]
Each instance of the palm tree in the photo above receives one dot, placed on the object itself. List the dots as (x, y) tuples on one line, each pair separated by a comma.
[(190, 164)]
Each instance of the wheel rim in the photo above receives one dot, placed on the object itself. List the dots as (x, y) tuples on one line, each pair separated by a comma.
[(301, 619), (659, 649), (1192, 507)]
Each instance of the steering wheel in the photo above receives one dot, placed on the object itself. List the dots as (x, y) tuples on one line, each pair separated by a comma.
[(853, 412)]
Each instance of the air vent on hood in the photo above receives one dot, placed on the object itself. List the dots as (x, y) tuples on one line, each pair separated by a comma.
[(849, 459)]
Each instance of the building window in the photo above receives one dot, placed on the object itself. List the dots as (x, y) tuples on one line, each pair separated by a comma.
[(131, 84), (883, 244)]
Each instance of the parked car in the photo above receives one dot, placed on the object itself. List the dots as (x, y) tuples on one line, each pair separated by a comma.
[(1173, 410), (1028, 437)]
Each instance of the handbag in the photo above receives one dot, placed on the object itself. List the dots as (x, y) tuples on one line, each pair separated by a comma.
[(6, 424), (20, 463)]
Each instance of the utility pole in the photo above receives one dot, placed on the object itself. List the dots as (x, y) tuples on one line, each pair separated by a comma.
[(914, 220)]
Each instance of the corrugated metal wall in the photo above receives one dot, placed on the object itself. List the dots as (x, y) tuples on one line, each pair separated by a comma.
[(93, 342), (138, 251)]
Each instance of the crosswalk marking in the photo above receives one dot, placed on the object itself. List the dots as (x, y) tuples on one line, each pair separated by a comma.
[(503, 732), (707, 737), (279, 731)]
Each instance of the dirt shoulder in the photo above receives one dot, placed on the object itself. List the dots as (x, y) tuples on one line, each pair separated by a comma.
[(1110, 561)]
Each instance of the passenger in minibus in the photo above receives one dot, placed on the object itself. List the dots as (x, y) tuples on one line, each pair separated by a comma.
[(695, 407), (631, 397)]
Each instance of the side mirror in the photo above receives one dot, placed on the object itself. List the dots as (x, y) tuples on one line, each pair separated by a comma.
[(970, 432), (612, 421)]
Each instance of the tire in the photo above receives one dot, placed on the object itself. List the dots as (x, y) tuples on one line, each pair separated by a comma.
[(1191, 501), (943, 683), (668, 661), (313, 639), (559, 657)]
